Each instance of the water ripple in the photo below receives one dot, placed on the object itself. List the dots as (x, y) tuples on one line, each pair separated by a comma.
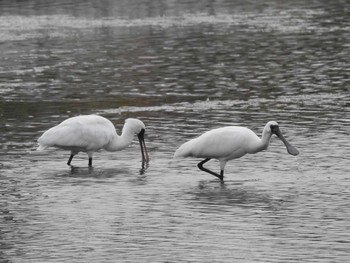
[(183, 70), (57, 25)]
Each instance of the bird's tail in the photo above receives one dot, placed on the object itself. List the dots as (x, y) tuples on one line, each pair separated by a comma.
[(183, 151), (41, 148), (177, 153)]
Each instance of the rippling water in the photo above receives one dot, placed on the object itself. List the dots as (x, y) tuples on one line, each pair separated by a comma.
[(183, 67)]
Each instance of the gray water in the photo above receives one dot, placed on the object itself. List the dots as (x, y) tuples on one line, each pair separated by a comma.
[(182, 67)]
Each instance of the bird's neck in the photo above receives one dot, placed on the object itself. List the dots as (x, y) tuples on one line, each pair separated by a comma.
[(265, 139), (122, 141)]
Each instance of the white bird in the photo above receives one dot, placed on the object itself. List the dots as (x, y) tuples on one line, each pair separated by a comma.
[(90, 133), (229, 143)]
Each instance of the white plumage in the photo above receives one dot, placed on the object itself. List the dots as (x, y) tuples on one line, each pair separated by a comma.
[(229, 143), (90, 133)]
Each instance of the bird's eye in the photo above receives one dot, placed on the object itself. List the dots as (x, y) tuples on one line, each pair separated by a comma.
[(273, 127)]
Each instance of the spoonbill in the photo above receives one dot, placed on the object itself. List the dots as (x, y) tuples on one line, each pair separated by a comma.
[(229, 143), (90, 133)]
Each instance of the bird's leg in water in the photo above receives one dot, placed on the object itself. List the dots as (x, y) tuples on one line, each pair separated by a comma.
[(90, 161), (70, 159), (200, 166)]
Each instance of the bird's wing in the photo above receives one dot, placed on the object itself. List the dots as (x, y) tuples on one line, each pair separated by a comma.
[(80, 134), (61, 136), (221, 142), (217, 143), (96, 136)]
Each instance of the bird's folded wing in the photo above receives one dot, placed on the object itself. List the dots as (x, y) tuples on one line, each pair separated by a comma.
[(78, 135), (217, 143), (62, 136), (223, 144)]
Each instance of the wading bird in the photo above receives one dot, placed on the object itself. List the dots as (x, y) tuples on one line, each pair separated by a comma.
[(229, 143), (90, 133)]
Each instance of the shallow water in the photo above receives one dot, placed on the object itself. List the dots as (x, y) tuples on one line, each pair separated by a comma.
[(183, 68)]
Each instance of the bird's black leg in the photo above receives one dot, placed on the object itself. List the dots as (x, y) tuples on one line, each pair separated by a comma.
[(70, 159), (200, 166), (90, 162), (221, 175)]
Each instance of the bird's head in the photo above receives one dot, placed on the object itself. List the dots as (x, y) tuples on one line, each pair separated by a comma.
[(273, 127), (139, 128), (135, 125)]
